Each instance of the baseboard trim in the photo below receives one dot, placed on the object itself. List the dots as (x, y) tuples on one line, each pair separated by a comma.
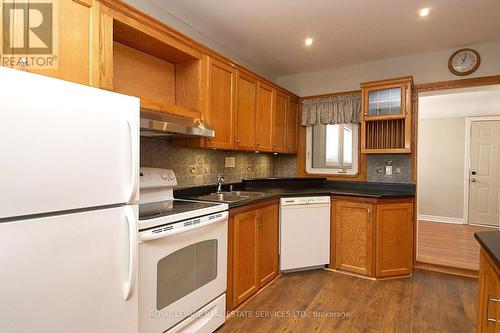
[(470, 273), (443, 219)]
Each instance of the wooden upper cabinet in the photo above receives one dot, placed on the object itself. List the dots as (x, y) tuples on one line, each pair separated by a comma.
[(353, 236), (394, 239), (166, 75), (264, 120), (387, 108), (279, 122), (292, 124), (245, 256), (221, 104), (246, 91), (71, 58), (268, 244)]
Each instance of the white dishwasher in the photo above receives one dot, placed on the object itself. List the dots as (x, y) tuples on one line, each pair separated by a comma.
[(304, 233)]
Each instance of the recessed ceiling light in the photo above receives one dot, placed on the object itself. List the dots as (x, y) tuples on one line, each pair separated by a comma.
[(308, 41), (424, 12)]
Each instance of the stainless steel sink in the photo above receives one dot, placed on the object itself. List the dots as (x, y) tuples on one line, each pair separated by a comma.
[(230, 197)]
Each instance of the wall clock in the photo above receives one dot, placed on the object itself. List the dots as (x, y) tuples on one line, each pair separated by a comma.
[(464, 62)]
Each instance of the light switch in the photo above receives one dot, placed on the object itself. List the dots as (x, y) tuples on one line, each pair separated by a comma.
[(230, 162), (388, 170)]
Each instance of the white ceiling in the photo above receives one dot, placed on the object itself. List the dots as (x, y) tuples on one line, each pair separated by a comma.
[(468, 102), (271, 33)]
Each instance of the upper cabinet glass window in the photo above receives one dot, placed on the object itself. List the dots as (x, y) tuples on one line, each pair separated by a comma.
[(386, 102)]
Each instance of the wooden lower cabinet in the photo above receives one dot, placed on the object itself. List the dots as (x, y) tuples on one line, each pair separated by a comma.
[(353, 236), (252, 250), (488, 319), (372, 237), (394, 239)]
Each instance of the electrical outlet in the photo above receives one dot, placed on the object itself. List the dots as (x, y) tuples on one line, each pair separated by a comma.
[(398, 171), (388, 170), (230, 162)]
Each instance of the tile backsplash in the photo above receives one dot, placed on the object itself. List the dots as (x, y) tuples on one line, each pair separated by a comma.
[(400, 162), (194, 166)]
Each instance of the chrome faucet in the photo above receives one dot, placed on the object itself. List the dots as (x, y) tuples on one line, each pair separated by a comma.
[(220, 180)]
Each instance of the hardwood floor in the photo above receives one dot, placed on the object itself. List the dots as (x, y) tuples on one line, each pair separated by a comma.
[(315, 301), (448, 244)]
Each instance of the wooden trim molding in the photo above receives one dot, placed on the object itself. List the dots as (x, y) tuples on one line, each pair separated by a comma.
[(86, 3), (460, 83), (446, 269), (352, 92)]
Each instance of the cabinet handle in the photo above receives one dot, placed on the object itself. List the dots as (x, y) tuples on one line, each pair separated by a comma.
[(259, 225), (491, 299), (237, 140), (258, 144)]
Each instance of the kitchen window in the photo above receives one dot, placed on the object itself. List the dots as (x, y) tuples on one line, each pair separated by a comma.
[(332, 149)]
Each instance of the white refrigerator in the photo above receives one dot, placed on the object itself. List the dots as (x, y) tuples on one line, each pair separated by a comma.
[(69, 166)]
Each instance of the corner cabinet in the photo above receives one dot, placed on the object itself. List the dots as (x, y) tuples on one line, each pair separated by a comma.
[(387, 111), (252, 250), (372, 237)]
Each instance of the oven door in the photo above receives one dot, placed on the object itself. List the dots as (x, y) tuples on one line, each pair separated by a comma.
[(182, 267)]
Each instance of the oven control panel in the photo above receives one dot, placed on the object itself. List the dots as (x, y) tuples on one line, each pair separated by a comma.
[(156, 177)]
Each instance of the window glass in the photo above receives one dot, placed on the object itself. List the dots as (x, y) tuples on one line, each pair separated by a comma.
[(184, 271), (332, 149)]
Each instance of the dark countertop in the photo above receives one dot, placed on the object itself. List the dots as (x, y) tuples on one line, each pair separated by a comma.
[(490, 242), (287, 187)]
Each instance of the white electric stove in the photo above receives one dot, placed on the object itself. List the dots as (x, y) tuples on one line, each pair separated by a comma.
[(182, 258)]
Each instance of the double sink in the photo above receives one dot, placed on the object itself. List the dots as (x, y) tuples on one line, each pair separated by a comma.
[(231, 196)]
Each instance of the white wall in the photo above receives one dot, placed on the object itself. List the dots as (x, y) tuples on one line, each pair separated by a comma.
[(172, 21), (425, 68), (441, 159)]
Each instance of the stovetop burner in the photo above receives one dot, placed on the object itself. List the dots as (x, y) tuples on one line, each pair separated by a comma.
[(170, 207)]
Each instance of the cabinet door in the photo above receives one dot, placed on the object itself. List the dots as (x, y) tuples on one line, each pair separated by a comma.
[(268, 243), (292, 121), (265, 102), (73, 42), (353, 233), (394, 239), (385, 101), (220, 111), (245, 256), (246, 87), (279, 122), (489, 292)]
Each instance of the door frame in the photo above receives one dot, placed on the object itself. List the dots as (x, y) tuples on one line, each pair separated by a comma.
[(418, 89), (468, 127)]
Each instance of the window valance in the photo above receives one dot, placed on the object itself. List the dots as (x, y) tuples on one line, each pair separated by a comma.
[(341, 109)]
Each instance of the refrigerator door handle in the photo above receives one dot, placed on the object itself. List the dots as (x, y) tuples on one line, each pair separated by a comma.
[(134, 152), (132, 268)]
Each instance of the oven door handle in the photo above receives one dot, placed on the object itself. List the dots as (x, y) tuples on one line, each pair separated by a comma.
[(150, 236)]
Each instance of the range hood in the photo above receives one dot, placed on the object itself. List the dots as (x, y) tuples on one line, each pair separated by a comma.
[(157, 124)]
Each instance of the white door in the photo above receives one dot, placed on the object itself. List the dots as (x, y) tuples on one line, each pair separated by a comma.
[(70, 273), (484, 173), (64, 146)]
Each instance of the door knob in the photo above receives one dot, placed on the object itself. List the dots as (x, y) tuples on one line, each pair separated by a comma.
[(473, 180)]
